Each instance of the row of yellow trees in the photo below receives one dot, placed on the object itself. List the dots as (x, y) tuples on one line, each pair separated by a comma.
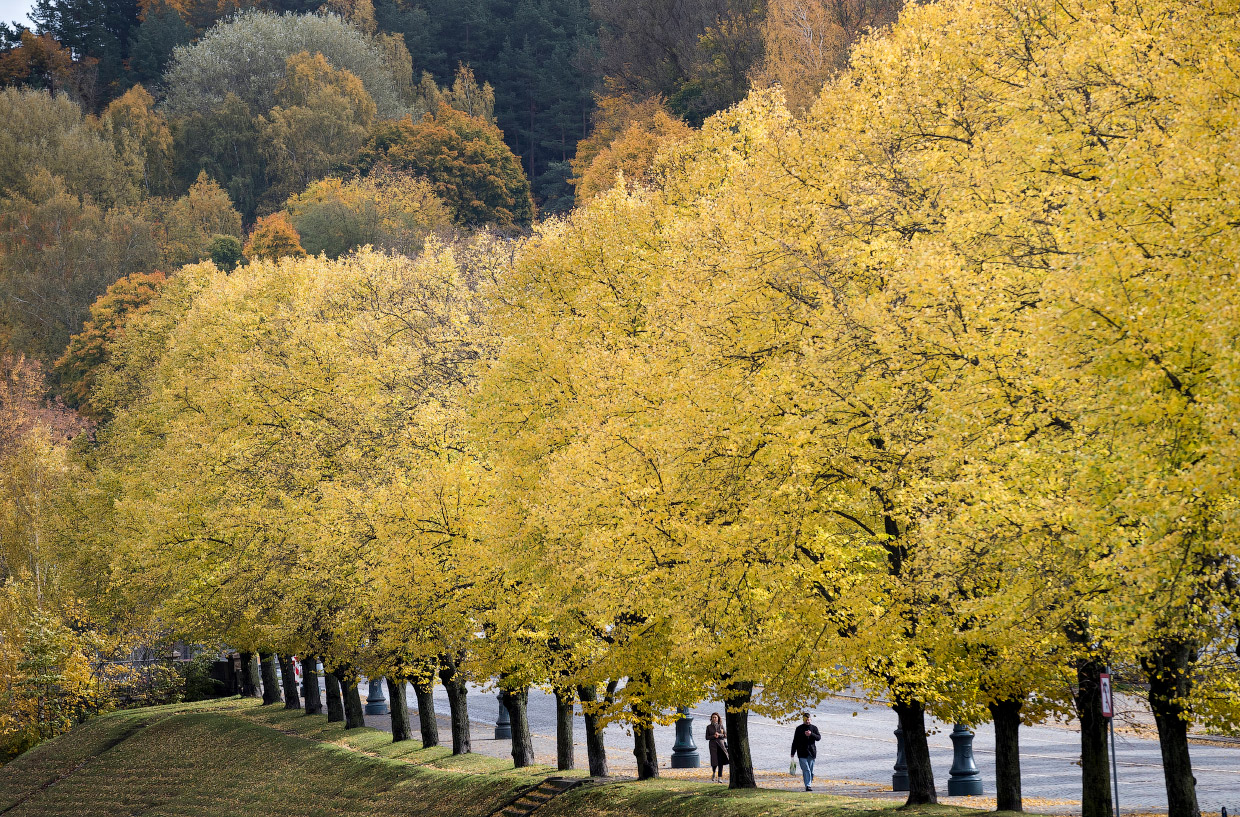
[(930, 391)]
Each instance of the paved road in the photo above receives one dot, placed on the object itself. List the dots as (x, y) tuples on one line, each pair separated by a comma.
[(858, 750)]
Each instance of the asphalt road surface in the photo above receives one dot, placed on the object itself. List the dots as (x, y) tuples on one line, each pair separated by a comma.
[(858, 749)]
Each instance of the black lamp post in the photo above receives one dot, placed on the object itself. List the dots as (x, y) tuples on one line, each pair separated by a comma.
[(964, 775), (376, 704), (899, 780), (684, 751), (503, 724)]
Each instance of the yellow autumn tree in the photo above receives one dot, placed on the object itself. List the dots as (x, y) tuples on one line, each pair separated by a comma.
[(626, 138), (142, 137), (806, 43), (301, 488), (322, 117), (193, 220), (387, 209)]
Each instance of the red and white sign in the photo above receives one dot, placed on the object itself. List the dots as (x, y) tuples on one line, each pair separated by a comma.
[(1104, 686)]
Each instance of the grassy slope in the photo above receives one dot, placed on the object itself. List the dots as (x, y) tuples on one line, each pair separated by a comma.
[(224, 759)]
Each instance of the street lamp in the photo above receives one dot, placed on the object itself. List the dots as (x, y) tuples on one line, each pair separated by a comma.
[(899, 780), (503, 724), (964, 775), (376, 704), (684, 751)]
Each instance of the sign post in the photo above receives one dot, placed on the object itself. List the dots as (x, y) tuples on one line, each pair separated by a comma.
[(1108, 712)]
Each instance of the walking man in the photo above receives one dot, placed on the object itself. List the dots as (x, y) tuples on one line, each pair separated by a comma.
[(804, 749)]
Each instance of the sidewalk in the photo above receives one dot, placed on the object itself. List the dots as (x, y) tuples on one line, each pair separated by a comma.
[(858, 751), (483, 742)]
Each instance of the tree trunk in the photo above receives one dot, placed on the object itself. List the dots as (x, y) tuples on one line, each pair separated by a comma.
[(912, 715), (1095, 770), (517, 703), (428, 724), (288, 677), (736, 721), (563, 729), (335, 699), (271, 684), (1167, 669), (596, 752), (1006, 716), (644, 752), (249, 676), (459, 704), (310, 685), (401, 729), (354, 715)]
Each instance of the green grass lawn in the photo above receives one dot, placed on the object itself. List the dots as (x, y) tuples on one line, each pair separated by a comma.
[(232, 758)]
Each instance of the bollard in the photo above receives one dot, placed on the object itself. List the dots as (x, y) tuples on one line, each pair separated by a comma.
[(503, 723), (899, 780), (684, 751), (964, 776), (376, 704)]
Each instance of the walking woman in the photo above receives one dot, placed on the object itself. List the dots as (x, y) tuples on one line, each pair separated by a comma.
[(717, 739)]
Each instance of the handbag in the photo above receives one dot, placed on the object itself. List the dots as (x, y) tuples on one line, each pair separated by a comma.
[(792, 767)]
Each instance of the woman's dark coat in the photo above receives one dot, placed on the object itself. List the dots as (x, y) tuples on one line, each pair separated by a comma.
[(715, 738)]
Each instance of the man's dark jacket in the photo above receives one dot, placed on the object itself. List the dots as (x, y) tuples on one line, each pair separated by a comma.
[(803, 743)]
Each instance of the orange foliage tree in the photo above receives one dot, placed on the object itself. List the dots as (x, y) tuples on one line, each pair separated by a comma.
[(38, 62), (466, 160), (626, 137), (89, 349), (274, 237)]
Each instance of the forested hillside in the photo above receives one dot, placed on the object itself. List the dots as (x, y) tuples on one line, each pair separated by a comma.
[(647, 352), (547, 61), (148, 108)]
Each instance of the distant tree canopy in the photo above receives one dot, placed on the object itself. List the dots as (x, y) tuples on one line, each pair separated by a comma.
[(247, 56), (160, 130), (466, 161), (224, 144), (538, 55), (90, 349), (141, 139), (69, 224), (321, 120), (48, 134), (698, 54), (273, 238), (58, 253), (387, 209), (807, 42), (99, 32), (627, 136), (225, 251), (73, 217), (194, 220), (40, 62), (544, 61), (161, 31)]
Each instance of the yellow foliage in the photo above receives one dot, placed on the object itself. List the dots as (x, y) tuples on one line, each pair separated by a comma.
[(930, 390), (807, 42), (321, 119), (386, 209), (141, 137), (626, 138), (193, 220)]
